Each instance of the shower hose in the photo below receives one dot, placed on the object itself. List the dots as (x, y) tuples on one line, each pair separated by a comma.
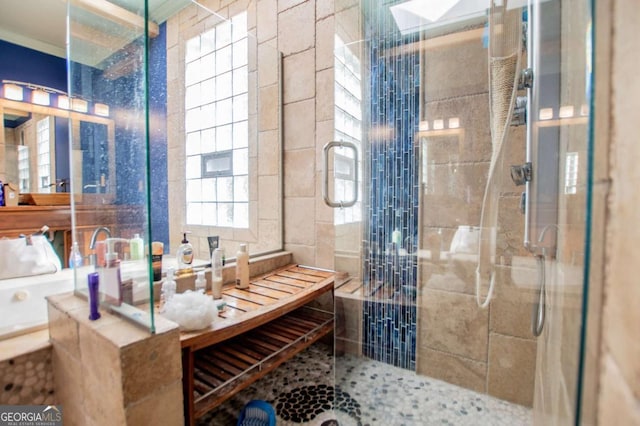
[(504, 75)]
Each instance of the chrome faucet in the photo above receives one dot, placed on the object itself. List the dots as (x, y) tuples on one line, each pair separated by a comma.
[(92, 243), (94, 236)]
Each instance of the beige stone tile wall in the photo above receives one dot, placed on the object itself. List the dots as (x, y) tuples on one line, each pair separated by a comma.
[(491, 350), (613, 344), (303, 32), (265, 158), (305, 38), (110, 372)]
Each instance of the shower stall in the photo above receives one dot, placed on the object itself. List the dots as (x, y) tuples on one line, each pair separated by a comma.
[(459, 174)]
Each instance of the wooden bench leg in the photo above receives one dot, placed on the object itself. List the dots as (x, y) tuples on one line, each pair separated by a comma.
[(187, 386)]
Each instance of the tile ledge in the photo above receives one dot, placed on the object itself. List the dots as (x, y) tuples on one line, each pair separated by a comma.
[(24, 344)]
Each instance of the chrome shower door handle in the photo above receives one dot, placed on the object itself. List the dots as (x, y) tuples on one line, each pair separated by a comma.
[(325, 174)]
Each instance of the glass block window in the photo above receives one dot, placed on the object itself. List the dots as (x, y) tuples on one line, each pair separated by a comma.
[(217, 136), (348, 127), (23, 168), (43, 141)]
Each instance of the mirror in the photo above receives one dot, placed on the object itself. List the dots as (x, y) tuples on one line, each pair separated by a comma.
[(34, 149)]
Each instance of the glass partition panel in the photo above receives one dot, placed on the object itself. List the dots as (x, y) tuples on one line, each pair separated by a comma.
[(465, 294), (189, 140), (110, 160)]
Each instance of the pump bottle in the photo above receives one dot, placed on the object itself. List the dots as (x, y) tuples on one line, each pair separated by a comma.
[(185, 254)]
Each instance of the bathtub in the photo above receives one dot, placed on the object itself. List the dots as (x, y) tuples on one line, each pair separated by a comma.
[(23, 306)]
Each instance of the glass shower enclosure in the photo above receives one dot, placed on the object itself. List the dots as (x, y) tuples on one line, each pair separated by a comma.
[(461, 179)]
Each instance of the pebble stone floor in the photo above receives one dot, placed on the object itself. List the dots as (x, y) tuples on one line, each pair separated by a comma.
[(366, 393)]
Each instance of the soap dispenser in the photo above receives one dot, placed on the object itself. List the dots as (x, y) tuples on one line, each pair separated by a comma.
[(185, 254)]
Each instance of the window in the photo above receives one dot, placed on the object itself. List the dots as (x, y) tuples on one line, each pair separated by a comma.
[(44, 149), (23, 168), (216, 126), (348, 127)]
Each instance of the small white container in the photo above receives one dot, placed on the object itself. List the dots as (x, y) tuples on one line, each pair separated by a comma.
[(201, 281), (242, 267)]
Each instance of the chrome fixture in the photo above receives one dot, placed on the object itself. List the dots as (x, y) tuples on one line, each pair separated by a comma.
[(539, 309), (519, 117), (325, 174), (94, 236), (521, 173), (526, 79)]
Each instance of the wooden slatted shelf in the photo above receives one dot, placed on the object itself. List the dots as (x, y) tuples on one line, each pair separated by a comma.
[(224, 369), (262, 327)]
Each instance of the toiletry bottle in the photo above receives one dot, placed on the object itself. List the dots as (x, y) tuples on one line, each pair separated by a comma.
[(94, 295), (168, 289), (136, 247), (214, 242), (110, 274), (216, 273), (157, 249), (185, 254), (242, 267), (75, 257), (201, 281)]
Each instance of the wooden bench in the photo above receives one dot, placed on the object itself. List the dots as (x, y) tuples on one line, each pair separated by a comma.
[(262, 327)]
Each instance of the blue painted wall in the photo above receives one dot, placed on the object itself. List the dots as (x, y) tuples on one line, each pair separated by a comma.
[(392, 93), (22, 64)]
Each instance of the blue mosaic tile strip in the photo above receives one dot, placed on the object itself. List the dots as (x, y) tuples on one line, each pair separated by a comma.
[(392, 198)]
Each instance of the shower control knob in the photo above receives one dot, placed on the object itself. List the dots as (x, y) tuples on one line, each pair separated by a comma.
[(526, 79), (521, 173), (519, 116)]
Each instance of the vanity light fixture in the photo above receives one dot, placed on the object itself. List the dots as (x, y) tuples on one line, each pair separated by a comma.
[(423, 126), (584, 110), (566, 111), (13, 92), (438, 124), (79, 105), (454, 123), (40, 97), (63, 102), (545, 114), (101, 110)]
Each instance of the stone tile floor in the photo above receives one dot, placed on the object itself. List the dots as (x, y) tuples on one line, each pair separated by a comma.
[(366, 392)]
